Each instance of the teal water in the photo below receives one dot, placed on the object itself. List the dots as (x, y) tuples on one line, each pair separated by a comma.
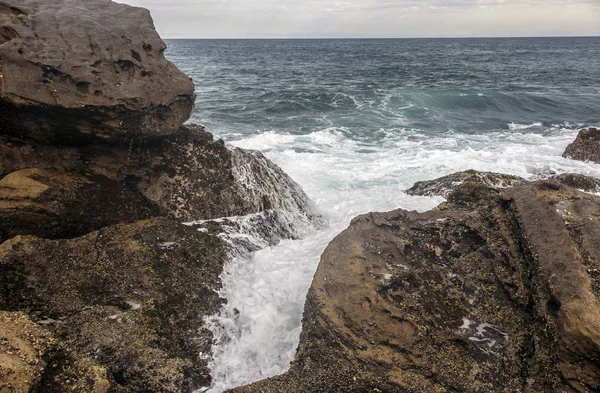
[(430, 85), (356, 122)]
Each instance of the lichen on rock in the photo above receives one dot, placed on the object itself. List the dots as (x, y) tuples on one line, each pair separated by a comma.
[(32, 360), (131, 297)]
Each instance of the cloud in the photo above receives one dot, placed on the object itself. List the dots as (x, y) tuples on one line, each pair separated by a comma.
[(372, 18)]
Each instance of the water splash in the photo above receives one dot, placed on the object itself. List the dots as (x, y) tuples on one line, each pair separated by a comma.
[(257, 332)]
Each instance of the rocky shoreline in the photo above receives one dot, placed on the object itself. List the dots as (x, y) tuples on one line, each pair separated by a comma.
[(103, 289), (102, 286)]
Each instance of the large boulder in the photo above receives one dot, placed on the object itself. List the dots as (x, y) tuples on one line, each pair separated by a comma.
[(495, 290), (586, 146), (54, 204), (131, 297), (76, 70)]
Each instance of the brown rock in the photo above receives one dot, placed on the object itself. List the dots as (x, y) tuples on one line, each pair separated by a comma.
[(586, 146), (187, 176), (31, 360), (80, 70), (444, 186), (131, 297), (493, 291), (578, 182), (54, 204), (23, 345)]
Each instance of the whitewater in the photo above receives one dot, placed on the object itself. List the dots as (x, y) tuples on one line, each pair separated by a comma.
[(259, 329), (357, 122)]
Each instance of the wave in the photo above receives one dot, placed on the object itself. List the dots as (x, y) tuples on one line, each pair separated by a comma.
[(431, 109)]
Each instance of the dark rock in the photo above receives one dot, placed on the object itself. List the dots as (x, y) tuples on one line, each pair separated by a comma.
[(586, 146), (187, 176), (443, 186), (578, 182), (31, 360), (52, 204), (132, 297), (498, 294), (81, 70)]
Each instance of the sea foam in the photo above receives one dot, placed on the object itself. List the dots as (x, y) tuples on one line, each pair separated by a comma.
[(257, 332)]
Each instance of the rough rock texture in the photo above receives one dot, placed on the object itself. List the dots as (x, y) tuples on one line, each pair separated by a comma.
[(32, 361), (494, 291), (586, 146), (132, 297), (443, 186), (186, 176), (22, 347), (579, 182), (75, 70), (54, 204)]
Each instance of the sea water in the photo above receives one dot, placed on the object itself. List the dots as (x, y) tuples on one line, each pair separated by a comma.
[(356, 122)]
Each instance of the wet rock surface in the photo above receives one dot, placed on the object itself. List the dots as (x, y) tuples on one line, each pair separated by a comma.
[(579, 182), (586, 147), (81, 70), (131, 297), (444, 186), (495, 290)]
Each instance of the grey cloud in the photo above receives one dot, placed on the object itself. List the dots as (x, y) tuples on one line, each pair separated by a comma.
[(372, 18)]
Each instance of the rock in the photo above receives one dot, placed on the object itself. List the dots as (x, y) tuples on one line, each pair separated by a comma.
[(32, 361), (579, 182), (17, 154), (190, 176), (187, 176), (53, 204), (132, 297), (276, 207), (23, 345), (443, 186), (586, 146), (496, 290), (84, 70)]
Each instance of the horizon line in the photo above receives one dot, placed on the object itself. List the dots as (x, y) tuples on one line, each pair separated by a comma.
[(376, 38)]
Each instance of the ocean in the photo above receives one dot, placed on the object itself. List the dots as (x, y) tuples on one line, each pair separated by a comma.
[(356, 122)]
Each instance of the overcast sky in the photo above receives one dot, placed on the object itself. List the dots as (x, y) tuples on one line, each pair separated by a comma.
[(371, 18)]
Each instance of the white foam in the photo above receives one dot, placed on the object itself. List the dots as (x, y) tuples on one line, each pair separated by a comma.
[(257, 332), (518, 127)]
